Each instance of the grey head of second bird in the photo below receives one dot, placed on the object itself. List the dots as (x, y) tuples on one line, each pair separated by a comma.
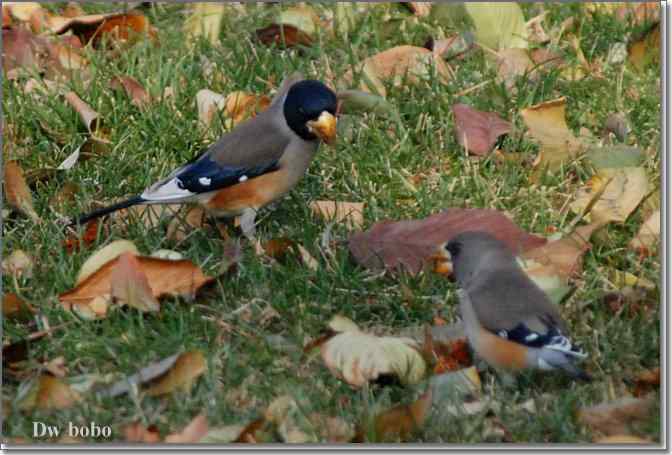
[(473, 251)]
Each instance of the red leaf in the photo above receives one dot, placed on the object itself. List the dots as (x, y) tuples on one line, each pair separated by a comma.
[(283, 35), (408, 244), (478, 131)]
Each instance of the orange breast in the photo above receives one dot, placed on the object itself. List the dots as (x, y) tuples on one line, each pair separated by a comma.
[(254, 193), (501, 353)]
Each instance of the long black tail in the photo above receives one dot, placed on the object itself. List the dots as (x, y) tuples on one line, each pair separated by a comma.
[(135, 200)]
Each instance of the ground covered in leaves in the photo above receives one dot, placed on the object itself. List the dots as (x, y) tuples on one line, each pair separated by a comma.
[(539, 123)]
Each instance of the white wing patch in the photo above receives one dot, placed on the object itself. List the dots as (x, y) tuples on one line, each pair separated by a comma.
[(205, 181), (243, 178), (168, 191)]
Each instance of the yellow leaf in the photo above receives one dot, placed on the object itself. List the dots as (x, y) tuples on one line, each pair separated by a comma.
[(204, 20), (357, 358), (349, 213), (498, 25), (546, 122), (625, 188)]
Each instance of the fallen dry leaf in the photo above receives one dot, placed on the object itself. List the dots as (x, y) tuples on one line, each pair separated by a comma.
[(478, 131), (240, 106), (617, 417), (400, 422), (512, 64), (119, 28), (397, 64), (56, 367), (204, 20), (19, 264), (89, 117), (180, 226), (16, 190), (166, 277), (498, 25), (546, 124), (408, 245), (187, 368), (104, 255), (620, 191), (646, 381), (645, 50), (192, 433), (13, 308), (351, 214), (130, 286), (208, 103), (47, 393), (359, 358), (146, 374), (450, 355), (22, 11), (453, 46), (563, 257), (22, 49), (333, 430), (137, 432), (283, 36), (647, 240), (135, 91)]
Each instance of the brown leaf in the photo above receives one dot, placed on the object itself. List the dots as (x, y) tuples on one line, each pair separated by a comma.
[(193, 432), (283, 36), (6, 17), (188, 367), (478, 131), (120, 28), (402, 421), (450, 355), (104, 255), (150, 372), (56, 367), (351, 214), (135, 91), (617, 417), (22, 49), (166, 277), (17, 192), (397, 64), (130, 286), (546, 123), (48, 393), (13, 308), (646, 381), (396, 245), (137, 432), (89, 117), (240, 106)]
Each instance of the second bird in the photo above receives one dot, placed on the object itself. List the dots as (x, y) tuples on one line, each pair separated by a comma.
[(508, 319), (254, 164)]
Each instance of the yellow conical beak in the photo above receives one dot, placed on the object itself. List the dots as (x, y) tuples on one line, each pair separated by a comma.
[(324, 127)]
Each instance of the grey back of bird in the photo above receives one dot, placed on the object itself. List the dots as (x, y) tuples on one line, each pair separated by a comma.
[(502, 294)]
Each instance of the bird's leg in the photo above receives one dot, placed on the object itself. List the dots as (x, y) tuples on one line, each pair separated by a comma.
[(248, 225)]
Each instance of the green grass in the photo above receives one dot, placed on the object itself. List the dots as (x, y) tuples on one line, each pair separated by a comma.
[(148, 144)]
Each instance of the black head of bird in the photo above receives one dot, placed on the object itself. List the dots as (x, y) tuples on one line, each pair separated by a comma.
[(310, 109)]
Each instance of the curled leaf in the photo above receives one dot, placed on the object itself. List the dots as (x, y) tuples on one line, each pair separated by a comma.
[(17, 192), (478, 131), (358, 358)]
